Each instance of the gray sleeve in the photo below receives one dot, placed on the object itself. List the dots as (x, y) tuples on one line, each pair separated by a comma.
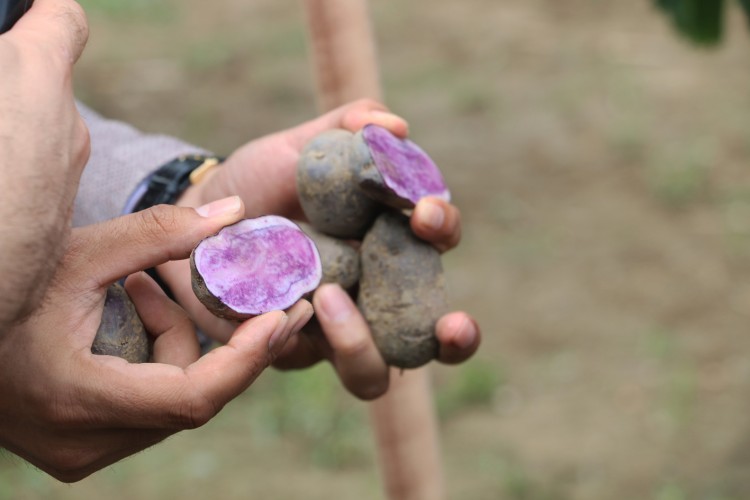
[(121, 157)]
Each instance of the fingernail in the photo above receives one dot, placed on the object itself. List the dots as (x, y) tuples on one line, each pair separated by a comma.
[(225, 206), (280, 334), (300, 314), (432, 215), (335, 303), (466, 335)]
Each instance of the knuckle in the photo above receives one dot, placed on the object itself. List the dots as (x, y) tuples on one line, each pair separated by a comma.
[(75, 18), (195, 412), (158, 222)]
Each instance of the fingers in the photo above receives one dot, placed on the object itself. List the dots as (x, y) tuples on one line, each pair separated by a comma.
[(158, 396), (234, 377), (152, 236), (459, 337), (176, 343), (351, 117), (357, 118), (176, 273), (59, 26), (354, 354), (437, 221)]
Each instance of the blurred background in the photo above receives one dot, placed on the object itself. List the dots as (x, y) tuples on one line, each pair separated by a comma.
[(601, 165)]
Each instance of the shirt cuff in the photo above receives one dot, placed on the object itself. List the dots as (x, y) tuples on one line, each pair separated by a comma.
[(121, 156)]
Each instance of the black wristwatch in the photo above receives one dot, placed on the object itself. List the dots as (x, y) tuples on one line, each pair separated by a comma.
[(167, 183)]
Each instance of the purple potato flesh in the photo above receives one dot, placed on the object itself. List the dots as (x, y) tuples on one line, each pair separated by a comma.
[(255, 266), (398, 173)]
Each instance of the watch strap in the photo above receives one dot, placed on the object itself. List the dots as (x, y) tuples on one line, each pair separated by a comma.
[(167, 183)]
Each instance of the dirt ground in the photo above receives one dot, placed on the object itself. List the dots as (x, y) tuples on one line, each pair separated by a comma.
[(601, 165)]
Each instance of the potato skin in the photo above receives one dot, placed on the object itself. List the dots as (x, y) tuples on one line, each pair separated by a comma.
[(339, 259), (401, 291), (328, 188), (121, 332)]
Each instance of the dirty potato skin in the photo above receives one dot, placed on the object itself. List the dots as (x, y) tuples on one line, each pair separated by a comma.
[(328, 188), (121, 332), (340, 260), (401, 291)]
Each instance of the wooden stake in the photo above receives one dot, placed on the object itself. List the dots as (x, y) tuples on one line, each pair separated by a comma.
[(404, 420)]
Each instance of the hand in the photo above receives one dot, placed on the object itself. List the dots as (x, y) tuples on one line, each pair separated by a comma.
[(263, 172), (44, 146), (70, 412)]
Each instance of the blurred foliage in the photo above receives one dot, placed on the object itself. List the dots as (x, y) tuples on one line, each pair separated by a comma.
[(701, 21), (311, 406), (474, 384), (680, 177)]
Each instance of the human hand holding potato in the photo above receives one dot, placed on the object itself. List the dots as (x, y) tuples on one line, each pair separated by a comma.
[(263, 172)]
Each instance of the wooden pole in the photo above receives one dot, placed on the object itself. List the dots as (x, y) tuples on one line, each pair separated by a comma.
[(404, 420)]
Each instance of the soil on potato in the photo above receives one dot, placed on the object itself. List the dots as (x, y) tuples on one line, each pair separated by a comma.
[(602, 168)]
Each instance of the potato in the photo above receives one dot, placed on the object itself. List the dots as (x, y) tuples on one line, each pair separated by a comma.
[(401, 291), (328, 189), (254, 266), (121, 332), (339, 259), (395, 171)]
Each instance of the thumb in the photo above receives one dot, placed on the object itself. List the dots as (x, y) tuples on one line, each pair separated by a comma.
[(160, 396), (57, 25), (122, 246)]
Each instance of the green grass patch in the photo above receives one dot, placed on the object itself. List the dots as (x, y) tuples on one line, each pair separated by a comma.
[(473, 384), (312, 407)]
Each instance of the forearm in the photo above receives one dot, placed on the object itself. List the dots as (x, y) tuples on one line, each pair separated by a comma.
[(121, 156)]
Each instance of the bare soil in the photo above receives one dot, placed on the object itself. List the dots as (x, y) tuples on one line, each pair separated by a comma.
[(601, 165)]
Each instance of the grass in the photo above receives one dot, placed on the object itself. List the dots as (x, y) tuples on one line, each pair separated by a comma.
[(681, 178), (128, 10), (472, 385)]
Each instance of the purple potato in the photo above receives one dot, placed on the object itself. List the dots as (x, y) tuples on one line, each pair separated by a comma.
[(396, 171), (328, 188), (339, 259), (401, 291), (254, 266), (121, 332)]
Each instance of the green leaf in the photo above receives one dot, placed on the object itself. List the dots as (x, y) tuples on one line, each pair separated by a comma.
[(701, 21), (745, 4)]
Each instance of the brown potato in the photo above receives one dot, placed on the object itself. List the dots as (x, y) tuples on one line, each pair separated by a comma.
[(401, 292)]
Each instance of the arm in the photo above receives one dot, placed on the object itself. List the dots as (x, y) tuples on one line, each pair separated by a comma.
[(43, 148)]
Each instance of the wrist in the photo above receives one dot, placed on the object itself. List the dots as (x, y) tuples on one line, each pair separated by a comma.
[(168, 184)]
